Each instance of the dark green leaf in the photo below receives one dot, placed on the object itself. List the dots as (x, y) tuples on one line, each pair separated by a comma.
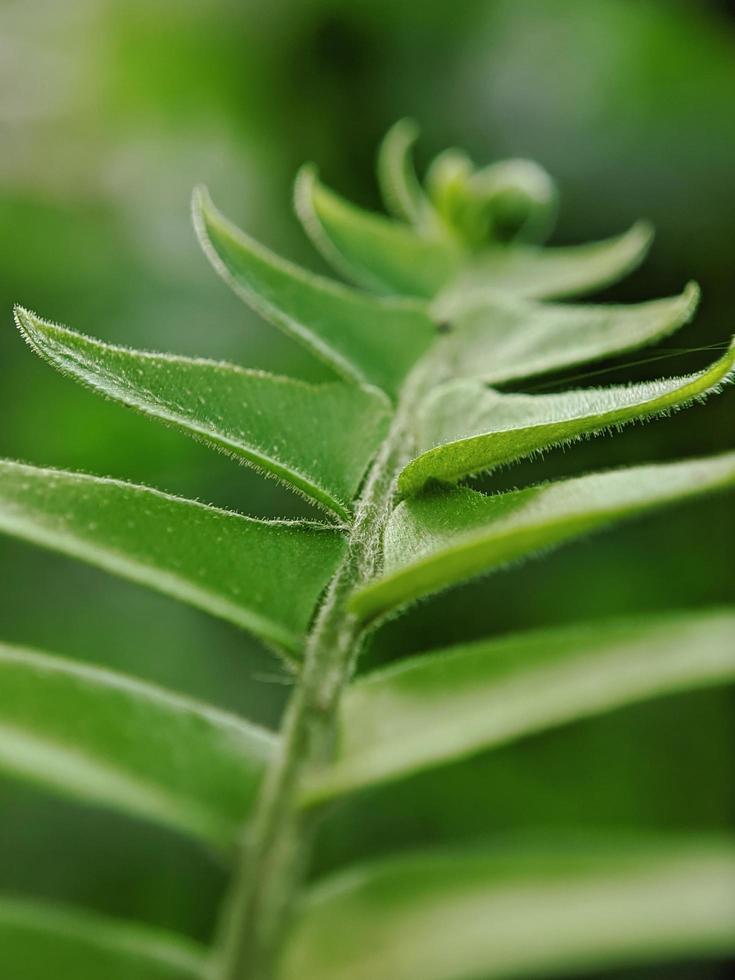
[(518, 913), (465, 428), (365, 339), (127, 745), (261, 419), (265, 576), (39, 941), (439, 539), (441, 706)]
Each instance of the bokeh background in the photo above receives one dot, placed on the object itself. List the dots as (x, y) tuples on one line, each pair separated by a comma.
[(110, 112)]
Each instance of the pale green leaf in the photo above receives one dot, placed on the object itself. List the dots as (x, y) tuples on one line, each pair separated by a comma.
[(40, 941), (505, 338), (374, 341), (379, 253), (439, 539), (267, 421), (402, 192), (465, 428), (265, 576), (516, 912), (121, 743), (552, 272), (440, 706)]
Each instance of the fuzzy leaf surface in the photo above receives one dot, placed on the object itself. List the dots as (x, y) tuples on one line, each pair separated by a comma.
[(549, 272), (436, 707), (402, 192), (124, 744), (436, 540), (317, 438), (465, 427), (365, 339), (379, 253), (264, 576), (390, 257), (39, 941), (505, 338), (519, 913)]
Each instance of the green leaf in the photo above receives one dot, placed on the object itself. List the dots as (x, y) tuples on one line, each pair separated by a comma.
[(121, 743), (265, 576), (466, 428), (402, 193), (437, 540), (40, 941), (518, 913), (258, 418), (379, 253), (554, 272), (505, 338), (391, 257), (441, 706), (365, 339)]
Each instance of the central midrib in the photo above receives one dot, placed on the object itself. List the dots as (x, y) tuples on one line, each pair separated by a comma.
[(276, 842)]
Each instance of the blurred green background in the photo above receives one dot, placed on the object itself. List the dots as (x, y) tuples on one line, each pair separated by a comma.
[(110, 112)]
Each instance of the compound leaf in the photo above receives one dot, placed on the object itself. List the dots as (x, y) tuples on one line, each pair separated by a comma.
[(39, 940), (466, 428), (519, 912), (267, 421), (505, 338), (128, 745), (365, 339), (265, 576), (436, 540), (436, 707)]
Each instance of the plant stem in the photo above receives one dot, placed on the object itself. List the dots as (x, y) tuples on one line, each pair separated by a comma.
[(274, 851)]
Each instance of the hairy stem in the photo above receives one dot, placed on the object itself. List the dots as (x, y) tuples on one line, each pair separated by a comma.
[(275, 849)]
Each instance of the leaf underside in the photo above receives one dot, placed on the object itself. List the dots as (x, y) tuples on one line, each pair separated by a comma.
[(437, 707), (518, 912), (264, 576), (127, 745), (439, 539), (39, 941), (317, 438)]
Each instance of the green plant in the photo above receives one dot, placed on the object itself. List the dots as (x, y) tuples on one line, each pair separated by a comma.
[(463, 286)]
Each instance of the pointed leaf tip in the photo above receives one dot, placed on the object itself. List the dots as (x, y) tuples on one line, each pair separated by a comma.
[(505, 338), (553, 272), (400, 187), (257, 418), (364, 339), (466, 428)]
